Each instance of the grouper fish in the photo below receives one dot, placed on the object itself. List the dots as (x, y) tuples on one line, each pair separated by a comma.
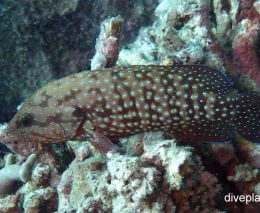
[(192, 102)]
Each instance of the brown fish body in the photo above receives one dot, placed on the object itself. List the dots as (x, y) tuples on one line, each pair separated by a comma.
[(191, 101)]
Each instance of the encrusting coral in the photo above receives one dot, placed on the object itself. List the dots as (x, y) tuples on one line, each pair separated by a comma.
[(134, 182), (107, 44), (200, 32), (246, 42)]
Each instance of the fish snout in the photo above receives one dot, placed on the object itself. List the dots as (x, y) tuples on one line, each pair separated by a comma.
[(4, 138)]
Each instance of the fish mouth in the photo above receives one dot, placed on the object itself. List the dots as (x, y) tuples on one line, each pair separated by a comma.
[(8, 142), (2, 137), (6, 136), (6, 139)]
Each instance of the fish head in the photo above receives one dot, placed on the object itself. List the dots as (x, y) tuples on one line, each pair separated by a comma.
[(46, 117), (19, 126), (34, 124)]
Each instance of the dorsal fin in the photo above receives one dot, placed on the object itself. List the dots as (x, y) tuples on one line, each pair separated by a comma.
[(214, 80)]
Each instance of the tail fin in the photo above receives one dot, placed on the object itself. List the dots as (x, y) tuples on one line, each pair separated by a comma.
[(247, 123)]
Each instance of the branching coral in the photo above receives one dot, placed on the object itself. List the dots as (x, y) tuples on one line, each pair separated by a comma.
[(36, 193), (12, 173)]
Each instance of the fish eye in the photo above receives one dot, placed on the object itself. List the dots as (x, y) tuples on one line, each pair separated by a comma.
[(25, 120)]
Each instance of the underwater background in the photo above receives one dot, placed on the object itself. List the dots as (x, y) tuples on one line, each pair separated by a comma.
[(45, 40)]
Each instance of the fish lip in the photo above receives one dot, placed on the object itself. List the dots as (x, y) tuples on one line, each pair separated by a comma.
[(4, 138)]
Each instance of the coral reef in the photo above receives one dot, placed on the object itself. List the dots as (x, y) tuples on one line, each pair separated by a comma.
[(38, 186), (158, 177), (146, 182), (202, 32), (49, 39), (179, 33), (246, 41), (154, 174)]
